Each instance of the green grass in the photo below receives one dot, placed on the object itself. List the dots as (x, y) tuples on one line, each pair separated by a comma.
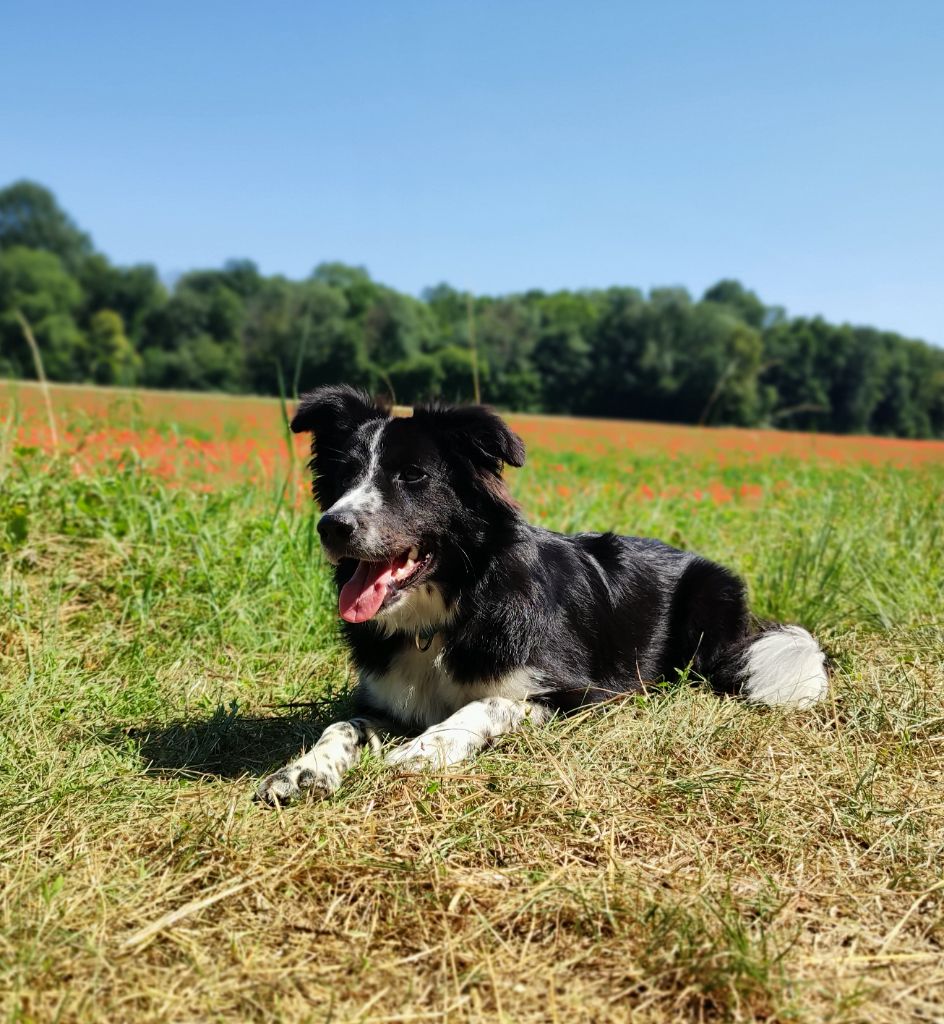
[(681, 858)]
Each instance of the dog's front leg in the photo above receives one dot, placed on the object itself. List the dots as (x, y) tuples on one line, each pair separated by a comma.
[(466, 732), (322, 768)]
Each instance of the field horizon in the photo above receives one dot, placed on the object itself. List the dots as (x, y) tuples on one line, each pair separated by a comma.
[(100, 401), (169, 634)]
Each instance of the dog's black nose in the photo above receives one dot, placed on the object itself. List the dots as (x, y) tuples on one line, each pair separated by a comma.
[(335, 528)]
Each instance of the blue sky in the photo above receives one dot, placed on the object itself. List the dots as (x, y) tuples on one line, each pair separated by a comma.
[(502, 146)]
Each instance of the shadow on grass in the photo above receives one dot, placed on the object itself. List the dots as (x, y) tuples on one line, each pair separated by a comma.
[(229, 744)]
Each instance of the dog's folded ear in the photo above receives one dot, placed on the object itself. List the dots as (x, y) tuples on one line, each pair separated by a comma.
[(336, 407), (476, 433)]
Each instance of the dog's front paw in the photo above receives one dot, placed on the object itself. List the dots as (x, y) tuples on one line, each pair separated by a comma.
[(288, 784), (430, 751)]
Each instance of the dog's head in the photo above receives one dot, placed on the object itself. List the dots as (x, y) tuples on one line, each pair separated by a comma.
[(404, 498)]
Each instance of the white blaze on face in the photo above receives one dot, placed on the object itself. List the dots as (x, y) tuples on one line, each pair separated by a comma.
[(364, 497)]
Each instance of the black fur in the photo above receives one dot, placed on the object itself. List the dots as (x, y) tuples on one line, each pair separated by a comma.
[(593, 616)]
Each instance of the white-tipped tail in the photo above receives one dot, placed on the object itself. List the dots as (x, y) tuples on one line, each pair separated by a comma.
[(785, 668)]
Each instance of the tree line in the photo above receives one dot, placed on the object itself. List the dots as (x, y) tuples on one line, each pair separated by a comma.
[(724, 358)]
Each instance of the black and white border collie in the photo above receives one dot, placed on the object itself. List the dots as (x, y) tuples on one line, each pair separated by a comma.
[(464, 620)]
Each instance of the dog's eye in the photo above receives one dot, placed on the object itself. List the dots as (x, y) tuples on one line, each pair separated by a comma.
[(411, 475)]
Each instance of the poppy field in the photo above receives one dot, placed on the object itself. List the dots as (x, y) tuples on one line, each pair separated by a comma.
[(168, 634)]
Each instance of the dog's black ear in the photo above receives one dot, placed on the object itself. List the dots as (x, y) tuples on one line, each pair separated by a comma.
[(335, 407), (332, 414), (475, 432)]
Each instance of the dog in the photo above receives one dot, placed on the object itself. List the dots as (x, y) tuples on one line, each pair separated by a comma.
[(464, 621)]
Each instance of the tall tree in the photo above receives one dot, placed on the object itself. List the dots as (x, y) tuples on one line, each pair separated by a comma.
[(31, 217), (35, 284)]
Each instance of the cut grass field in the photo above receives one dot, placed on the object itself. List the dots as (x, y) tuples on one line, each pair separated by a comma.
[(168, 634)]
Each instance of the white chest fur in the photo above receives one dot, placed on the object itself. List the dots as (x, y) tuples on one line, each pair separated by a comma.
[(417, 689)]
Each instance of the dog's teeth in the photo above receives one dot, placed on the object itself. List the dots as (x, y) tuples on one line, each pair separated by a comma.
[(414, 553)]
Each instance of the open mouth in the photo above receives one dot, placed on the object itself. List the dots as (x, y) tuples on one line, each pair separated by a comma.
[(375, 585)]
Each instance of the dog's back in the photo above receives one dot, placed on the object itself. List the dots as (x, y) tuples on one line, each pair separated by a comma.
[(592, 616)]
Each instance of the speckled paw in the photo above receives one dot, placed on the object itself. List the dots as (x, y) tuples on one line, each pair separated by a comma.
[(288, 784)]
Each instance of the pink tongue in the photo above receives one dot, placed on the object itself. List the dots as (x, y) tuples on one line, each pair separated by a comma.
[(364, 593)]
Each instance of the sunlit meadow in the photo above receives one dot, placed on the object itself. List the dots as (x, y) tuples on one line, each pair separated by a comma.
[(168, 634)]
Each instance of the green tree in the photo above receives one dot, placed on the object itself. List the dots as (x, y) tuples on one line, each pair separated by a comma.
[(562, 354), (36, 284), (112, 358), (742, 302), (507, 330), (396, 327), (794, 355), (30, 217), (355, 283), (300, 333), (617, 387), (135, 293), (417, 379)]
